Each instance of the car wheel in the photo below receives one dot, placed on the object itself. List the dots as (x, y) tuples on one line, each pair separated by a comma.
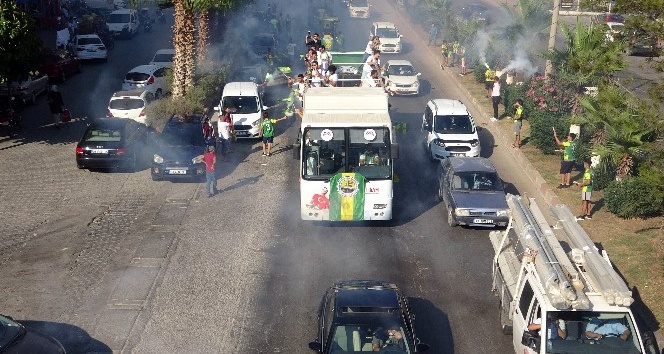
[(450, 217), (131, 164), (155, 177)]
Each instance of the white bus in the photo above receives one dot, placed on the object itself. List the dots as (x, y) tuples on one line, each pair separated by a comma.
[(346, 148)]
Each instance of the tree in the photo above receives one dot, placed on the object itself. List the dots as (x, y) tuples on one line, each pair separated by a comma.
[(20, 47)]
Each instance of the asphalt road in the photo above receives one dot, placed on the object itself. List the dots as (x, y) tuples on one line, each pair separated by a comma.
[(114, 261)]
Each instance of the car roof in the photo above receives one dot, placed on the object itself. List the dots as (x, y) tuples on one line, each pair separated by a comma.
[(398, 62), (109, 122), (471, 164), (147, 68), (134, 93), (449, 107), (166, 51), (383, 24), (87, 36)]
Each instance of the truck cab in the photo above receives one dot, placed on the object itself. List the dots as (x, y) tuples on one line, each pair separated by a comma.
[(560, 297)]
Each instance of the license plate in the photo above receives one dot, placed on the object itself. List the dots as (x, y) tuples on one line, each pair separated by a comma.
[(242, 133), (402, 89), (482, 221), (457, 154), (177, 172), (99, 151)]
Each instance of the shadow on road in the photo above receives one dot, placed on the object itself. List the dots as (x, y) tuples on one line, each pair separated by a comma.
[(74, 339), (433, 326)]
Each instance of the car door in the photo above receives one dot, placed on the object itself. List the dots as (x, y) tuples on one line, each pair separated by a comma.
[(427, 125)]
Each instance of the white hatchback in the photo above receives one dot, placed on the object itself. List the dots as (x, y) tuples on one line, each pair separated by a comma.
[(129, 104), (163, 57), (449, 130), (401, 78), (89, 46), (150, 78)]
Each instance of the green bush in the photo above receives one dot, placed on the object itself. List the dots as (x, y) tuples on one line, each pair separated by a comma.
[(511, 93), (541, 133), (158, 112), (603, 174), (632, 197)]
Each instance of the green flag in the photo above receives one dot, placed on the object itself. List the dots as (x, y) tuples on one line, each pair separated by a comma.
[(347, 197)]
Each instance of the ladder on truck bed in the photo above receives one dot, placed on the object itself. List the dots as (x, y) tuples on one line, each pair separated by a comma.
[(529, 243)]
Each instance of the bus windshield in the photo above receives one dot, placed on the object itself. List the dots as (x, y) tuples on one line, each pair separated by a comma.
[(364, 150)]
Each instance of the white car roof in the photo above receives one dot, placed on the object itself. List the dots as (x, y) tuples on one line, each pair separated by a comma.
[(384, 25), (148, 68), (87, 36), (443, 106), (398, 62), (129, 93)]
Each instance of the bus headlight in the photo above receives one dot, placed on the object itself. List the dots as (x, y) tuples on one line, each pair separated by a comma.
[(157, 159), (462, 212), (380, 206)]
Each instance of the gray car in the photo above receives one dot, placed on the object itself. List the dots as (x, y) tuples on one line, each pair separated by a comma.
[(473, 193)]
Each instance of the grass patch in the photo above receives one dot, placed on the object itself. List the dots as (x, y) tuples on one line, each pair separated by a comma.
[(636, 246)]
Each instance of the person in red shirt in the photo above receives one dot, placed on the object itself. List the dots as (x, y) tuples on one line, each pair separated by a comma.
[(210, 159)]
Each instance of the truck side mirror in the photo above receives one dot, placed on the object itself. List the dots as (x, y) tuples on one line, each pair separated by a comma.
[(297, 146), (531, 340), (316, 346), (394, 150)]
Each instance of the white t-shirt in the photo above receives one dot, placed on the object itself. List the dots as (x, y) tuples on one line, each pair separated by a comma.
[(496, 89), (369, 48), (222, 128), (369, 82), (333, 78), (366, 68)]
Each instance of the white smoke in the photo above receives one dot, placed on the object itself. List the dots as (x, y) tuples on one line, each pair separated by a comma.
[(482, 40)]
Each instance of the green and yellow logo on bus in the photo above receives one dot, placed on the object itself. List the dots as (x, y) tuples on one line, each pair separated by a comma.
[(347, 197)]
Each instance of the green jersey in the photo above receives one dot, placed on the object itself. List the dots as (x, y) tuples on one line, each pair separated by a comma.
[(267, 127), (588, 178), (569, 154)]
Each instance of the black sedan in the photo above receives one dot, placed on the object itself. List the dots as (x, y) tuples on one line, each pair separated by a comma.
[(18, 339), (473, 193), (179, 149), (358, 316), (111, 143)]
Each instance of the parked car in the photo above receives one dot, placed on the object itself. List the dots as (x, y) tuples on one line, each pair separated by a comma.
[(151, 78), (449, 130), (390, 39), (27, 89), (130, 104), (473, 193), (476, 12), (358, 8), (179, 149), (640, 43), (16, 338), (163, 57), (358, 316), (59, 64), (112, 143), (401, 78), (608, 17), (89, 46), (124, 23)]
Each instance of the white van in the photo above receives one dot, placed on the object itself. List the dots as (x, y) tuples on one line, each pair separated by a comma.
[(390, 39), (246, 106), (123, 23), (449, 130)]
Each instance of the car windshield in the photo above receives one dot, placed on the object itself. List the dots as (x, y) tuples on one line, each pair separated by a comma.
[(183, 134), (8, 331), (103, 134), (89, 40), (241, 104), (118, 18), (359, 3), (387, 32), (365, 338), (405, 70), (137, 76), (478, 181), (163, 58), (460, 124), (611, 325), (126, 103)]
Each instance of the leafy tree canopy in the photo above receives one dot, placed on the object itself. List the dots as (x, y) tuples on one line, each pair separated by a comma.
[(20, 47)]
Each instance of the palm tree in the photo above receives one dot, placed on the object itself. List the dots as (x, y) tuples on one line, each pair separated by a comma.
[(528, 17), (619, 135), (184, 43)]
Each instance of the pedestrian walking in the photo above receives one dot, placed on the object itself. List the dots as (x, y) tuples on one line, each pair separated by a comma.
[(224, 126), (210, 160), (433, 33), (586, 190), (208, 132), (518, 122), (444, 51), (569, 155), (267, 130), (55, 105), (495, 97)]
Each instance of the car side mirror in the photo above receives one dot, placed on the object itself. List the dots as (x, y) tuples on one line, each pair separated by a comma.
[(478, 128), (401, 36), (316, 346), (426, 126), (394, 150), (531, 340), (418, 74)]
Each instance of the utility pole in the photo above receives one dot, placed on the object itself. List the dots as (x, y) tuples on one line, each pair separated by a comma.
[(552, 36)]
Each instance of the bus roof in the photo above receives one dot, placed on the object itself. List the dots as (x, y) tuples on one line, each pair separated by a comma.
[(360, 106)]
